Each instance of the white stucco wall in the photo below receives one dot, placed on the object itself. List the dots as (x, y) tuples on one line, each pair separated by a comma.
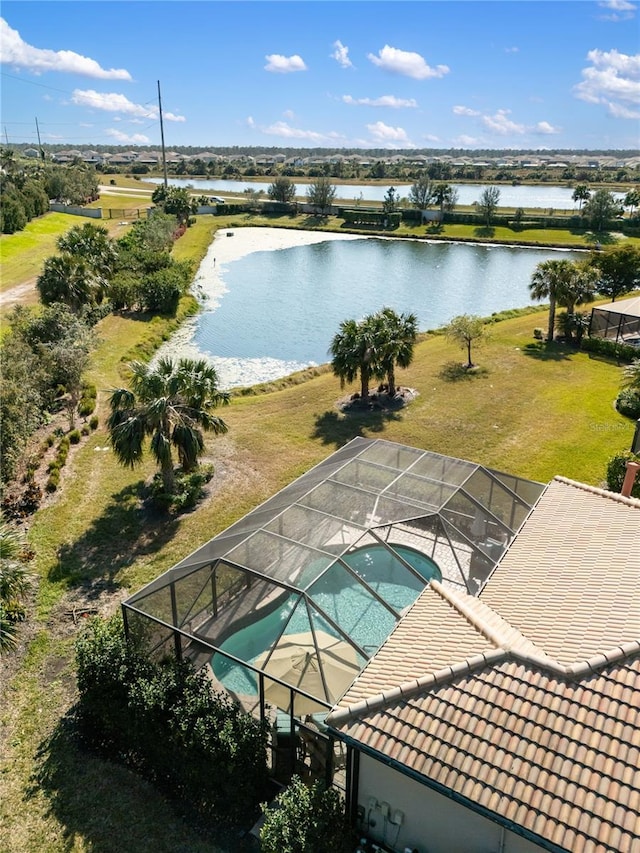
[(432, 822)]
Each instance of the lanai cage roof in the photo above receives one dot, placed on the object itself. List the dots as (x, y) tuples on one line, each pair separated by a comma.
[(287, 605), (618, 320)]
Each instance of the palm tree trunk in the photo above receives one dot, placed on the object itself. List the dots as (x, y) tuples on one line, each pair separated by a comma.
[(391, 382), (364, 382), (552, 319), (168, 477)]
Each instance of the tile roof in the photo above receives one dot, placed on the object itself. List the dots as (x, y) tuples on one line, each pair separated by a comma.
[(524, 703)]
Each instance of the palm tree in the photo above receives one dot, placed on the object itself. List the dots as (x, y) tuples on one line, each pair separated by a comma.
[(631, 375), (172, 404), (353, 351), (549, 281), (92, 245), (15, 584), (66, 279), (580, 285), (581, 194), (632, 201), (445, 196), (397, 338)]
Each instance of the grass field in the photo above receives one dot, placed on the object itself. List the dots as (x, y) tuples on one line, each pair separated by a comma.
[(530, 410)]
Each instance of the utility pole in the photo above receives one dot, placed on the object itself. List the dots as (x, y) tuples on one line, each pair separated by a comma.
[(164, 158), (39, 143)]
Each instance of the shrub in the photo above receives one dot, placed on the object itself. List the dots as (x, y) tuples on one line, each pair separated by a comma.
[(74, 436), (306, 820), (85, 430), (53, 466), (93, 423), (616, 470), (54, 481), (628, 403), (602, 346), (538, 333), (188, 489), (164, 720)]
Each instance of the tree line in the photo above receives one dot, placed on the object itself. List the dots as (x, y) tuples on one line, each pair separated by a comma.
[(26, 187)]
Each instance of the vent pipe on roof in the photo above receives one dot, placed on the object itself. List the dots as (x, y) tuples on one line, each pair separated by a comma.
[(630, 478)]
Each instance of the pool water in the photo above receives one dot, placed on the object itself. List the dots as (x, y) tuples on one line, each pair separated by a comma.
[(351, 605)]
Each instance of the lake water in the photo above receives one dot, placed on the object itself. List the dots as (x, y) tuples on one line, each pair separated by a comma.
[(277, 311), (546, 197)]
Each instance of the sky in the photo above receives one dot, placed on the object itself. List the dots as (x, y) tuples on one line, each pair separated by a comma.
[(323, 73)]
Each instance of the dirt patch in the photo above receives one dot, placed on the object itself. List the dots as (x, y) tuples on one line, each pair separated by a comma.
[(378, 401), (19, 294)]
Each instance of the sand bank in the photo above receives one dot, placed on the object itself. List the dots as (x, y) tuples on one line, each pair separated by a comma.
[(228, 245)]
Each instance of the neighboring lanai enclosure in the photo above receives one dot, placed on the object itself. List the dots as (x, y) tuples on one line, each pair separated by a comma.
[(617, 321), (285, 607)]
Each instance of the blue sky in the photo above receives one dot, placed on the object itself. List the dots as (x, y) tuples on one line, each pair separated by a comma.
[(402, 75)]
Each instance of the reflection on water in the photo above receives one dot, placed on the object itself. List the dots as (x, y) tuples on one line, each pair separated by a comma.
[(280, 309), (546, 197)]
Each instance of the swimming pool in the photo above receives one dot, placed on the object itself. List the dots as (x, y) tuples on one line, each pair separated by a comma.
[(352, 605)]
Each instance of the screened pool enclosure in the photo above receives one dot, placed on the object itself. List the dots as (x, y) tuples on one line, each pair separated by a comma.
[(617, 321), (286, 606)]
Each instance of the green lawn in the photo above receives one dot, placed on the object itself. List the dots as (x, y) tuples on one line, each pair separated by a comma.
[(530, 410), (23, 253)]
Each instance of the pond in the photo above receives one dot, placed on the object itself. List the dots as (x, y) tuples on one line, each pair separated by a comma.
[(270, 313), (556, 197)]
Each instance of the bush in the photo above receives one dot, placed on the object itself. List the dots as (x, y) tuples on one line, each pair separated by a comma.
[(616, 470), (306, 820), (188, 490), (54, 481), (85, 430), (628, 403), (538, 334), (602, 346), (164, 720), (74, 436), (93, 423)]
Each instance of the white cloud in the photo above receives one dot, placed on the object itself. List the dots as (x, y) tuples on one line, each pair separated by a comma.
[(406, 63), (620, 111), (390, 136), (119, 136), (289, 114), (113, 102), (545, 128), (465, 141), (285, 131), (430, 137), (284, 64), (502, 125), (341, 55), (612, 79), (382, 101), (464, 111), (511, 49), (14, 51), (621, 10)]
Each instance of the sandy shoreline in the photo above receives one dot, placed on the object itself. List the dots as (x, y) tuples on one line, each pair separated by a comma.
[(228, 245)]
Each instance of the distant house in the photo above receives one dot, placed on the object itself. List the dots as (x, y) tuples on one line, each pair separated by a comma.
[(510, 722)]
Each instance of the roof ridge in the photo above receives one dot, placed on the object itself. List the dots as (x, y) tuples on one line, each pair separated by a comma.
[(408, 689), (595, 490), (500, 639), (416, 685)]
